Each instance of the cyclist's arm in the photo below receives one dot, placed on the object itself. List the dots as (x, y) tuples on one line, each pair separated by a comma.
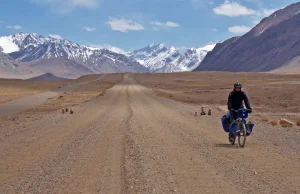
[(246, 100), (229, 103)]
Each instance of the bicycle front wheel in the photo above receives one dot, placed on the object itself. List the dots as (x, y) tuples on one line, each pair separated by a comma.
[(243, 135)]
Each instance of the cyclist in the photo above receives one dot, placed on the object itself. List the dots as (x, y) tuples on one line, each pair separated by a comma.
[(235, 102)]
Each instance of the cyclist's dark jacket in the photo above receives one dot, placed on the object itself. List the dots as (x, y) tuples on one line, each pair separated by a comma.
[(235, 100)]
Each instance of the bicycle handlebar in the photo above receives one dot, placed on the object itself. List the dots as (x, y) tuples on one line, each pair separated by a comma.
[(247, 110)]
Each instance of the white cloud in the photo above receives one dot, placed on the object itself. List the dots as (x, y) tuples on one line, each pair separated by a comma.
[(167, 24), (124, 25), (89, 29), (255, 22), (64, 6), (55, 36), (239, 29), (16, 27), (172, 24), (214, 30), (157, 23), (233, 9)]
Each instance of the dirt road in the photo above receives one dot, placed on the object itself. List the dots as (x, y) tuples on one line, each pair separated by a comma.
[(21, 104), (73, 87), (131, 141)]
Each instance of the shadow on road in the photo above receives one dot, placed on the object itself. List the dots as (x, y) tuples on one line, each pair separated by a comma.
[(227, 146)]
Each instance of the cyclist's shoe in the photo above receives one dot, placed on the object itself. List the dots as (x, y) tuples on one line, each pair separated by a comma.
[(231, 137), (238, 131)]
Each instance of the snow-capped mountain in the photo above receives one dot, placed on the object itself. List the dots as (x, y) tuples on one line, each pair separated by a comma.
[(31, 47), (160, 58), (106, 61), (65, 58)]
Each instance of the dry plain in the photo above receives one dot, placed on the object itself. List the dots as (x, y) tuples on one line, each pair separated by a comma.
[(137, 133)]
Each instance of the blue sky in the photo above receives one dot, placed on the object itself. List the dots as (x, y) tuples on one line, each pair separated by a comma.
[(133, 24)]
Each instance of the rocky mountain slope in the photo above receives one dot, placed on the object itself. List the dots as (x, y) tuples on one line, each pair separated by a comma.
[(12, 69), (272, 44)]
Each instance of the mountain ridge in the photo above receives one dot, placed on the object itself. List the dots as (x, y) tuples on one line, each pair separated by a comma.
[(65, 58), (270, 45), (160, 58)]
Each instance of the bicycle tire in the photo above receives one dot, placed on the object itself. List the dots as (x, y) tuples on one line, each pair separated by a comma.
[(242, 138)]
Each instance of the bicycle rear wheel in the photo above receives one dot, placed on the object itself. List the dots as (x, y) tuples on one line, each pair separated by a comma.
[(242, 136)]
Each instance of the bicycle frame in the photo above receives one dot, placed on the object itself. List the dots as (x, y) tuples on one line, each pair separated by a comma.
[(241, 126)]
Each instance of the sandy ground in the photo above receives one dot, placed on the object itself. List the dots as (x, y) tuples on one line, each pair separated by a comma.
[(272, 96), (80, 94), (14, 89), (18, 105), (132, 141)]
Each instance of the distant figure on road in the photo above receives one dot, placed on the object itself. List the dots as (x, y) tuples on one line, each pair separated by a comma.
[(235, 102)]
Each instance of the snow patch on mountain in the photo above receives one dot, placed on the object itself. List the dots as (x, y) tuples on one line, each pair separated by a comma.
[(7, 44), (108, 47), (116, 50)]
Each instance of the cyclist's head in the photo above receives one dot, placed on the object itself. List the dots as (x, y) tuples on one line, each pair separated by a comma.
[(237, 86)]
